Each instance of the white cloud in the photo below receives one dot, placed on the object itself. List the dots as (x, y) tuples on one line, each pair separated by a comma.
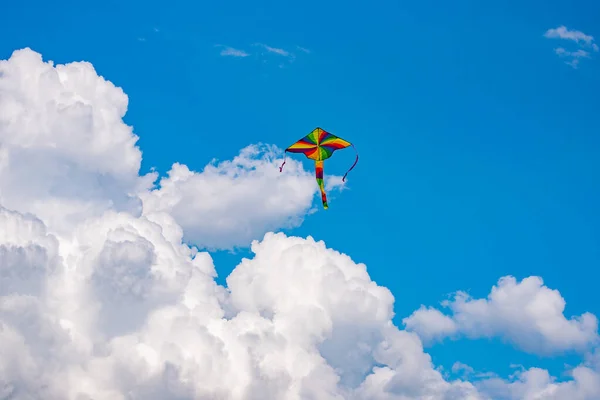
[(274, 50), (230, 203), (458, 367), (431, 324), (65, 152), (66, 155), (572, 56), (287, 55), (580, 38), (562, 32), (527, 313), (230, 51), (99, 300), (536, 383)]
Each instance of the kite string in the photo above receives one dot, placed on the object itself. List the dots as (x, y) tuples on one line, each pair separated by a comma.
[(353, 165)]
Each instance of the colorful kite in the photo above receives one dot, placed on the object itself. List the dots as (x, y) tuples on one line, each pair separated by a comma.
[(319, 145)]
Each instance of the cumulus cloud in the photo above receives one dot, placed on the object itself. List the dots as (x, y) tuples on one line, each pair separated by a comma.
[(537, 383), (230, 203), (102, 299), (67, 155), (527, 313), (581, 40), (65, 152), (431, 324)]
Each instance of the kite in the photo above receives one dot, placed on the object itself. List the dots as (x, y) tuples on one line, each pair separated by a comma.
[(319, 145)]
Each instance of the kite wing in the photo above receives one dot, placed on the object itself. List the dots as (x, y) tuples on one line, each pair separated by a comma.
[(319, 145)]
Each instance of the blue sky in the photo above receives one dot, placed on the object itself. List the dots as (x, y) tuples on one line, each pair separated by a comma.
[(479, 148)]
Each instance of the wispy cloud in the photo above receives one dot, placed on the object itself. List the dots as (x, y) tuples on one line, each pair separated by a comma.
[(581, 39), (275, 50), (231, 52), (573, 56), (562, 32), (264, 53)]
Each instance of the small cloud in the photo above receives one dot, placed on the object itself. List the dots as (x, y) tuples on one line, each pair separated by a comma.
[(580, 53), (573, 56), (234, 52), (263, 55), (141, 39), (580, 38), (275, 50), (231, 52), (562, 32), (458, 367), (576, 54)]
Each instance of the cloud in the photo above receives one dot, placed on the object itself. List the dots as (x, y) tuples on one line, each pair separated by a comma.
[(268, 50), (562, 32), (232, 202), (537, 383), (102, 299), (573, 56), (274, 50), (580, 38), (67, 155), (230, 51), (458, 367), (65, 152), (527, 313), (431, 324)]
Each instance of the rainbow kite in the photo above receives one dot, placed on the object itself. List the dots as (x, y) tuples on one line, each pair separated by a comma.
[(319, 145)]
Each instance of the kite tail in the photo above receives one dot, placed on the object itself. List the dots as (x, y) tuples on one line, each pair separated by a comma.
[(284, 157), (319, 175), (353, 165)]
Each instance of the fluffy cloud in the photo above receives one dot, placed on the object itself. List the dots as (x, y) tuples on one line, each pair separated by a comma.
[(527, 313), (124, 310), (101, 299), (65, 153), (230, 203), (431, 324), (536, 383)]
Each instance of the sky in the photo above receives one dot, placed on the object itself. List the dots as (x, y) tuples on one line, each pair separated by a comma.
[(149, 234)]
